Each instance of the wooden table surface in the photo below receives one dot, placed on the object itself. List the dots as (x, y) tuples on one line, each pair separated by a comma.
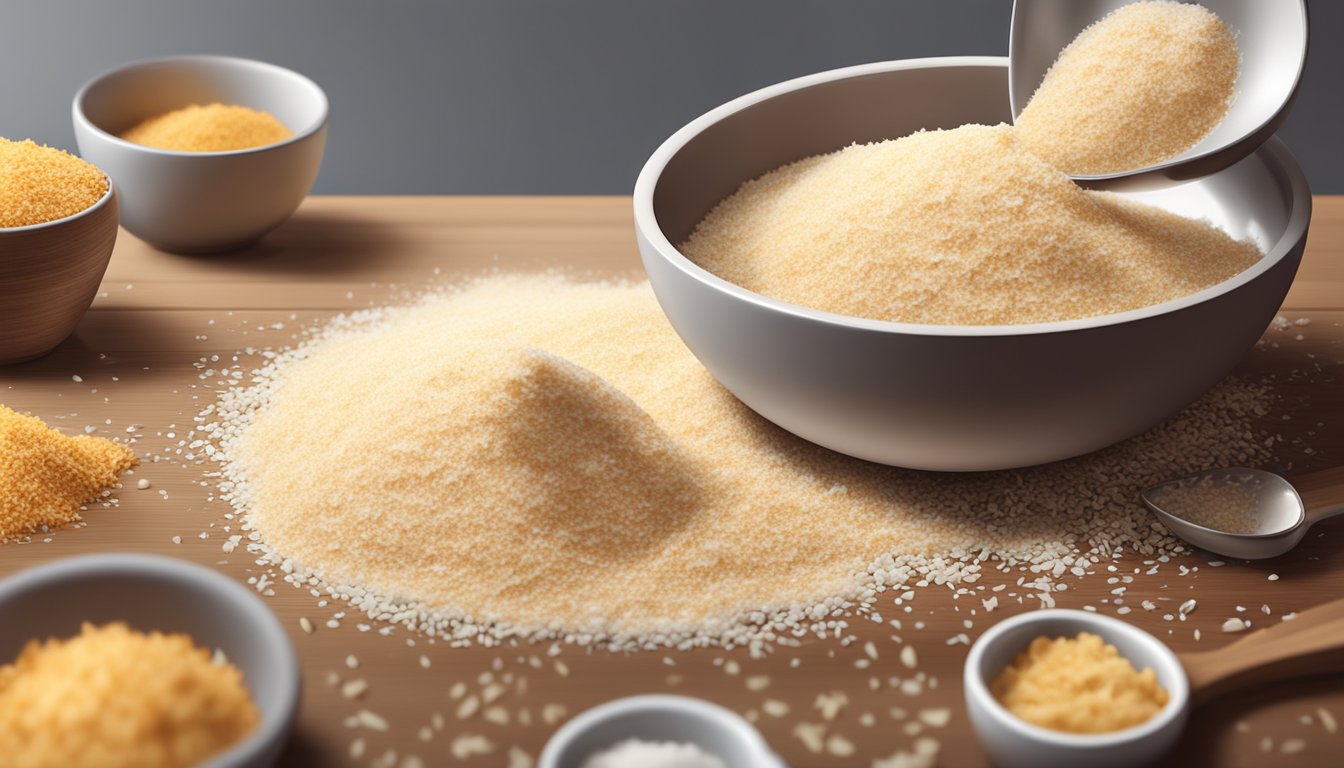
[(159, 315)]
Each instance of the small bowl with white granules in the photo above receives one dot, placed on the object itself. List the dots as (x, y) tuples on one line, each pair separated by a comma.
[(658, 731), (150, 593)]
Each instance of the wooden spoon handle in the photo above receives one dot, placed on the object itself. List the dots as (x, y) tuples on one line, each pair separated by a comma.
[(1322, 492), (1311, 643)]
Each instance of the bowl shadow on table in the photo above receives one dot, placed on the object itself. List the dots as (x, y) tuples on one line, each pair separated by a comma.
[(79, 354), (986, 506), (311, 244)]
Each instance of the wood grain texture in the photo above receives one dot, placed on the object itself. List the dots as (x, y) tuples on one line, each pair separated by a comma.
[(160, 320), (49, 274)]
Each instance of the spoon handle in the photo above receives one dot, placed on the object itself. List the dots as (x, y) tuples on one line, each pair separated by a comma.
[(1322, 493), (1311, 643)]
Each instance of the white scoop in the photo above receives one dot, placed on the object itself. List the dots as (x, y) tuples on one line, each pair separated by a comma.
[(1271, 34), (1246, 513)]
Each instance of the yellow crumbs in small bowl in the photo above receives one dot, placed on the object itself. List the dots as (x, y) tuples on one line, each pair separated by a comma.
[(40, 184), (112, 697), (1078, 685), (209, 128), (46, 476)]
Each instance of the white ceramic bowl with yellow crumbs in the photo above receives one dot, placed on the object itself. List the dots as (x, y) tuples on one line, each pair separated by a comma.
[(203, 201), (1015, 743), (151, 593), (949, 397)]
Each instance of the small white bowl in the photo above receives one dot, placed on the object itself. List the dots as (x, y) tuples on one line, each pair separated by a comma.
[(202, 202), (659, 718), (148, 593), (1014, 743)]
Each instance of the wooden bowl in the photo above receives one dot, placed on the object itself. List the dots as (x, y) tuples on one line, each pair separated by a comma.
[(49, 274)]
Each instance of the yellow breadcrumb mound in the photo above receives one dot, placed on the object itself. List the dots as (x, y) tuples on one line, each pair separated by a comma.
[(1138, 87), (40, 184), (957, 227), (209, 128), (113, 697), (1079, 685), (45, 476)]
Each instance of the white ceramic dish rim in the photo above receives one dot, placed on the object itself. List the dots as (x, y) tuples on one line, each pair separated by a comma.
[(172, 569), (1179, 694), (298, 136), (647, 221), (66, 219), (593, 718)]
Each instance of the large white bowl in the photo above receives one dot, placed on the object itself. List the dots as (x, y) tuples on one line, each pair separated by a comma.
[(948, 397), (202, 202)]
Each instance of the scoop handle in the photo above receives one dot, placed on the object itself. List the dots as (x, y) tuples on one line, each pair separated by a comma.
[(1309, 644), (1322, 493)]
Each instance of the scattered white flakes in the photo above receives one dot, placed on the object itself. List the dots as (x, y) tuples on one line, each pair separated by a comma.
[(470, 744), (371, 720), (351, 662), (520, 759), (77, 379), (839, 746), (142, 484), (1273, 577), (1187, 608), (925, 755), (357, 748), (353, 689), (553, 713), (830, 704), (496, 715), (908, 657), (775, 708), (936, 718), (1235, 625), (1292, 746), (424, 661), (177, 539), (813, 736), (306, 625), (468, 707), (1327, 719), (758, 682), (870, 650)]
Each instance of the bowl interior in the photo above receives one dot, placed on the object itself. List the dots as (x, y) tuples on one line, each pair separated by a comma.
[(1002, 644), (118, 100), (657, 719), (158, 593), (708, 159)]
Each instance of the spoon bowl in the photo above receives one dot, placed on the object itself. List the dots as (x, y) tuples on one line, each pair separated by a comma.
[(1271, 34), (1246, 513)]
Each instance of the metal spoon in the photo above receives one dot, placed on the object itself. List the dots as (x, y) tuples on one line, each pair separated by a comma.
[(1272, 36), (1277, 512)]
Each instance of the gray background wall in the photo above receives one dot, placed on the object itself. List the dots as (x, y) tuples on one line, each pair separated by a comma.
[(535, 96)]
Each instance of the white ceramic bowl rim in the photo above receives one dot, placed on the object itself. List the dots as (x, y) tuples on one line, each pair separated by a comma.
[(298, 135), (160, 567), (57, 222), (593, 718), (1178, 692), (647, 221)]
